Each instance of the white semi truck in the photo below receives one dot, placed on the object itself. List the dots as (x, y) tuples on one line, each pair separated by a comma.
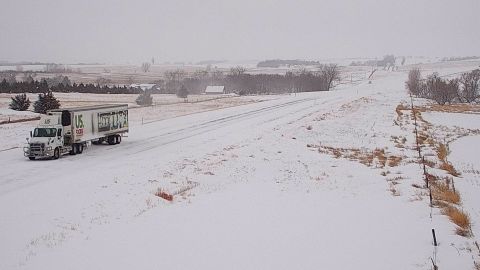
[(68, 130)]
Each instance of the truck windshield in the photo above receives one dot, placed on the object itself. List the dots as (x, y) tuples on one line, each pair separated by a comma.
[(44, 132)]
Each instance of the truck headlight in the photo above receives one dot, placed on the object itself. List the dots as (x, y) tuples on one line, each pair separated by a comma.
[(49, 148)]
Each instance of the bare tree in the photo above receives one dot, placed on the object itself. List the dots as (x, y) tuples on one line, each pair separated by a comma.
[(200, 74), (217, 75), (101, 81), (414, 82), (146, 66), (57, 68), (237, 71), (130, 80), (440, 90), (173, 80), (469, 92), (330, 74), (8, 76)]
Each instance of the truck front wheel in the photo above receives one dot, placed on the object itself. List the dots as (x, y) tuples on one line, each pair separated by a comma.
[(56, 153), (31, 158)]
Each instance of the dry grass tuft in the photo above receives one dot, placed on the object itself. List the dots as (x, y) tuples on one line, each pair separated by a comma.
[(399, 109), (432, 177), (377, 157), (379, 153), (424, 139), (463, 232), (442, 192), (309, 127), (394, 190), (477, 265), (455, 108), (394, 161), (449, 168), (442, 152), (385, 173), (429, 163), (459, 217), (162, 194)]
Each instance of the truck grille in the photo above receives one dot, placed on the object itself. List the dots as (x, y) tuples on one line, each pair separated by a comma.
[(37, 147)]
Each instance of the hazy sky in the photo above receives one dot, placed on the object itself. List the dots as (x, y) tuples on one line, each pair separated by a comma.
[(119, 31)]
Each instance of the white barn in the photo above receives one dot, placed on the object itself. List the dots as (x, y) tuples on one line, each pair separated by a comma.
[(215, 90)]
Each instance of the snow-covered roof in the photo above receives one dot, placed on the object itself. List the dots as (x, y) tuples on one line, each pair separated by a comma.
[(215, 89)]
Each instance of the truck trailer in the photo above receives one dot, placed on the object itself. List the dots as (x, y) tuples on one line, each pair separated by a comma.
[(68, 130)]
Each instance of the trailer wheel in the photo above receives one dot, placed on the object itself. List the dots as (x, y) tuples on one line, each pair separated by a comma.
[(111, 140), (118, 139), (31, 158), (74, 150), (56, 153), (80, 148)]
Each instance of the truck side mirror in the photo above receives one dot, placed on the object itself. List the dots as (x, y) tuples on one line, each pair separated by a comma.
[(31, 134)]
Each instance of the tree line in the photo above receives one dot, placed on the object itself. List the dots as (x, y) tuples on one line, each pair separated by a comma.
[(238, 81), (62, 84), (464, 89)]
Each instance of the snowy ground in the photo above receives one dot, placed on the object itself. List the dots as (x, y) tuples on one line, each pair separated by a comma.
[(194, 103), (296, 182)]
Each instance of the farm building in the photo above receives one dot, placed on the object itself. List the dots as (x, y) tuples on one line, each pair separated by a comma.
[(215, 90)]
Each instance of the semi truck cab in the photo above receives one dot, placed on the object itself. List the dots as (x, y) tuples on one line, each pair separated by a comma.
[(47, 139)]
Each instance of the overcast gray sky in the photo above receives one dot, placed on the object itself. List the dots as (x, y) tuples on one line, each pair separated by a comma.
[(119, 31)]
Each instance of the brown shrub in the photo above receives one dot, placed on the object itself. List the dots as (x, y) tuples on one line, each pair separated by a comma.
[(432, 177), (442, 192), (394, 161), (442, 152), (457, 216), (449, 168), (455, 108)]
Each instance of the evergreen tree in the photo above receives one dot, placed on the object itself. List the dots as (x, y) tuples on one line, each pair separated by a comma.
[(20, 102), (45, 102), (4, 86), (144, 99), (182, 92)]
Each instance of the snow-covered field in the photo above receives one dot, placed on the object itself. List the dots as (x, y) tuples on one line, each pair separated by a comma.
[(312, 181), (78, 99)]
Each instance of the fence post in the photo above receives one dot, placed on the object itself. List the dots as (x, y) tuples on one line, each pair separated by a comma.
[(434, 237), (430, 195)]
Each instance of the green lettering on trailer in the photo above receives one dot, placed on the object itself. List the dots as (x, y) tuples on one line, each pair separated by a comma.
[(79, 121)]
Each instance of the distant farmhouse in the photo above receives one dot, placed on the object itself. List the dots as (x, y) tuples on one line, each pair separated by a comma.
[(215, 90)]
